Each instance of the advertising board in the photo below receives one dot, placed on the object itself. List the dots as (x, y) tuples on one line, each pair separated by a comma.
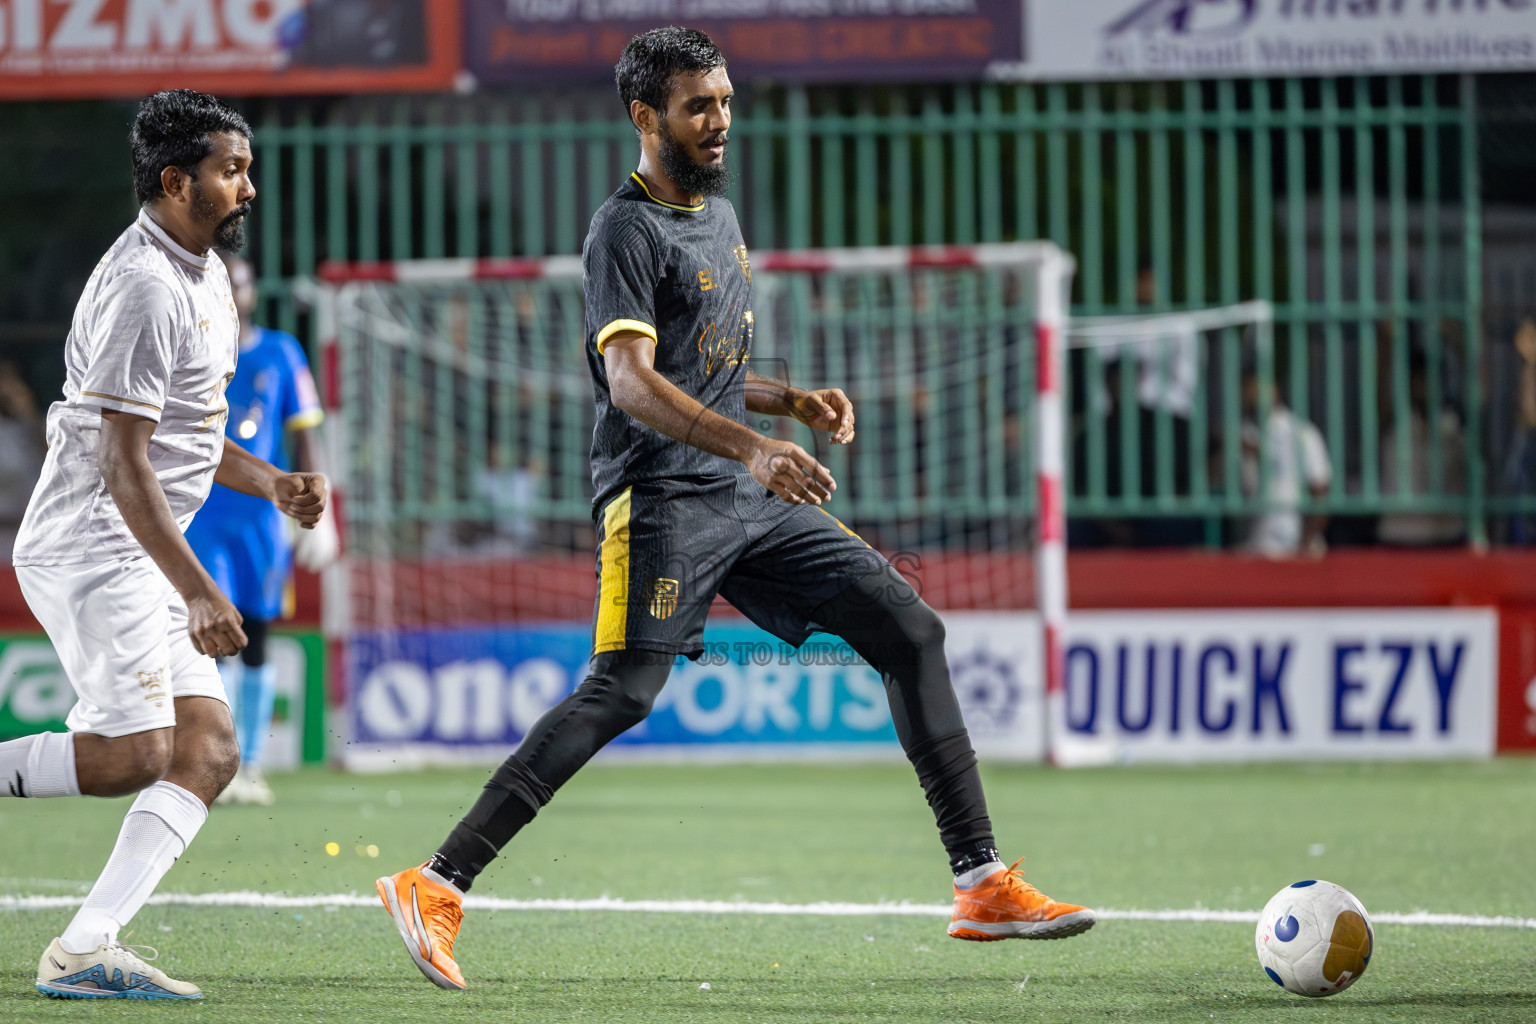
[(1107, 39), (69, 49), (539, 42), (1517, 678), (1153, 686), (472, 694), (1282, 684), (35, 695)]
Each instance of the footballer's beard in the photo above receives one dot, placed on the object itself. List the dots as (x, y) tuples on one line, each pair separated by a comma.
[(687, 173), (229, 235)]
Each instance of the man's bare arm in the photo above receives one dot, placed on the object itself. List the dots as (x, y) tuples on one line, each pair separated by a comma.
[(300, 495), (825, 409), (770, 397), (637, 389), (122, 455)]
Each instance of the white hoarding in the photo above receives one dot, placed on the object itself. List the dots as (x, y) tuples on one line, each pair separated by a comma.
[(1105, 39), (1281, 684)]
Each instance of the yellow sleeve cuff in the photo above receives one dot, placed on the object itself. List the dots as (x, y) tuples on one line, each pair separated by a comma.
[(307, 418), (638, 326)]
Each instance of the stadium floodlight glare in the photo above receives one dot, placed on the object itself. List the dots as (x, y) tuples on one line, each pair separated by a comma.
[(958, 351)]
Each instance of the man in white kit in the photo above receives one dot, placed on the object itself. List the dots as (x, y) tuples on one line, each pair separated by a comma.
[(132, 451)]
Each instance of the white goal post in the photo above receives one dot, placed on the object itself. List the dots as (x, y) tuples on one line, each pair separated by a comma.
[(1045, 265)]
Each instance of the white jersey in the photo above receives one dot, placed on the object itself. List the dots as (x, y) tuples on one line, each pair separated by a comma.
[(155, 334), (1297, 464)]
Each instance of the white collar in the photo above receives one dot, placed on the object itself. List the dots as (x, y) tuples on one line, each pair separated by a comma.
[(158, 234)]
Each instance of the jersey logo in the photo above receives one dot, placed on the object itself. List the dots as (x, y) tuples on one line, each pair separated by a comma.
[(706, 279), (744, 262), (153, 684), (215, 420), (720, 349), (663, 598)]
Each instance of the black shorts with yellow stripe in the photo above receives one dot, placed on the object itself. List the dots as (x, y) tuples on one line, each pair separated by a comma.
[(666, 548)]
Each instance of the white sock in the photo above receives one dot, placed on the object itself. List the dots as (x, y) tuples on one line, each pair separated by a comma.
[(433, 876), (966, 879), (40, 765), (159, 827)]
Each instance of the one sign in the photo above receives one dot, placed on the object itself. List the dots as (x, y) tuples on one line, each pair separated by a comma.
[(472, 694), (1104, 39), (539, 42), (63, 49)]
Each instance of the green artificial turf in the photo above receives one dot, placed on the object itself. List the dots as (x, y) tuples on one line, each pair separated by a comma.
[(1455, 838)]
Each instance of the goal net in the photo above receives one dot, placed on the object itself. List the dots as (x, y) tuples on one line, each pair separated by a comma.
[(1160, 424), (463, 413)]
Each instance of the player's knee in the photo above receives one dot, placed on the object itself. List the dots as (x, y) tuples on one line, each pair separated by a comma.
[(922, 628), (222, 761), (140, 760), (626, 684), (632, 706)]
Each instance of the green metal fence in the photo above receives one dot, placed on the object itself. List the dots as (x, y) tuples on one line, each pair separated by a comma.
[(1350, 204)]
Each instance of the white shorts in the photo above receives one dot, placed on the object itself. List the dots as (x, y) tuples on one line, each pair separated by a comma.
[(120, 630)]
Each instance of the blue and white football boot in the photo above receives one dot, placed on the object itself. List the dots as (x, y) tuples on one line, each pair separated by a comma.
[(109, 972)]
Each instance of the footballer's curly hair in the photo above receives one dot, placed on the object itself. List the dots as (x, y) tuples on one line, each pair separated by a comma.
[(172, 129), (646, 68)]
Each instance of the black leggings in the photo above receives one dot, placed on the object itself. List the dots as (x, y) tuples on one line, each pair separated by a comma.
[(881, 617)]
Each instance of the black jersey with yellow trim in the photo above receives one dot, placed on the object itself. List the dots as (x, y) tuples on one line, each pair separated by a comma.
[(680, 275)]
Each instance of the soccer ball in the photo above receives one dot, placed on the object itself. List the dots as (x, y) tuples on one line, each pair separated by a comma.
[(1314, 938)]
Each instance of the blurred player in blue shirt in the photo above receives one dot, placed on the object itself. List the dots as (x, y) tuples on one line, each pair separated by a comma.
[(244, 542)]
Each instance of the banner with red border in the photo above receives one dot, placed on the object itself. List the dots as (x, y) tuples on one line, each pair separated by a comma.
[(85, 49)]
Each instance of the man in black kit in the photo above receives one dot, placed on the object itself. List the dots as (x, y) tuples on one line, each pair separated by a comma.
[(691, 502)]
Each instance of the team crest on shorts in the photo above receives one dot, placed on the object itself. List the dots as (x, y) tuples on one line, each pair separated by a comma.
[(153, 684), (663, 598)]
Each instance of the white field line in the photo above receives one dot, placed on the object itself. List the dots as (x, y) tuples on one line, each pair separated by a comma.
[(610, 903)]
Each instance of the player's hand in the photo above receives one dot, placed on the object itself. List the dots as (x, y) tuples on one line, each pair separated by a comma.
[(302, 496), (827, 409), (788, 470), (213, 625)]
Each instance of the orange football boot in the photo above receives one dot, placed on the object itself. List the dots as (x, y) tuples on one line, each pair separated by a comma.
[(1004, 906), (427, 914)]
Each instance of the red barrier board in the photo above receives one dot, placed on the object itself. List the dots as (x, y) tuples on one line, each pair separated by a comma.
[(87, 49), (1517, 678)]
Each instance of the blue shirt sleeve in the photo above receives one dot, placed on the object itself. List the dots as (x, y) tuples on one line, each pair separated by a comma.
[(300, 399)]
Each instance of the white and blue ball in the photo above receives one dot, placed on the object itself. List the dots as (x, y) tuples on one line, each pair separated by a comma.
[(1314, 938)]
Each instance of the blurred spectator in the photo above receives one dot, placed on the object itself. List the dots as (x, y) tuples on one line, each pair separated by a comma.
[(1520, 469), (1295, 467), (22, 447), (1425, 429), (511, 493)]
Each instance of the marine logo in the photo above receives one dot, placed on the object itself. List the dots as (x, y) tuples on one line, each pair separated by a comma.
[(663, 598)]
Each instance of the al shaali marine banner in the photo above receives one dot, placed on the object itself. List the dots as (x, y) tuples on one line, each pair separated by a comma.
[(1107, 39)]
